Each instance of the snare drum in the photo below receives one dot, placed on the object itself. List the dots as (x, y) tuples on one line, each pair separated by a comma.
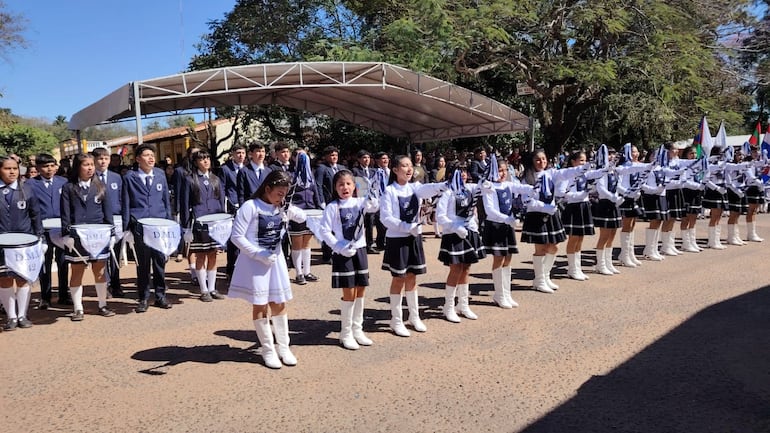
[(211, 231), (313, 221), (160, 234), (52, 227), (22, 254), (92, 242), (303, 228)]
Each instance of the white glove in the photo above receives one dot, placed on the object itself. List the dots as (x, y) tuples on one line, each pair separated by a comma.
[(485, 184), (340, 246), (585, 167), (722, 190), (511, 221), (580, 195), (619, 200), (68, 242), (634, 195), (187, 236), (266, 257), (462, 232), (128, 236), (349, 251), (371, 205), (549, 209), (414, 230), (296, 214), (739, 193), (443, 186), (659, 190)]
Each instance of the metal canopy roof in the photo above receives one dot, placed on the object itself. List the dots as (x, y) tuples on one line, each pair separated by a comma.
[(380, 96)]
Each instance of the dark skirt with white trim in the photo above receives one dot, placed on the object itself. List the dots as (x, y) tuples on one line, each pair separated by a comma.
[(631, 208), (404, 255), (84, 257), (541, 228), (655, 207), (693, 201), (499, 239), (737, 204), (202, 242), (755, 195), (454, 250), (577, 220), (712, 199), (675, 203), (348, 272), (296, 229), (606, 214)]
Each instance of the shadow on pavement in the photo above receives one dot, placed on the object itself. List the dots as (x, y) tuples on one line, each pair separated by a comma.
[(710, 374), (170, 356)]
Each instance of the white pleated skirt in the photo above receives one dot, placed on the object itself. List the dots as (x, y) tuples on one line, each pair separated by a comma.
[(259, 284)]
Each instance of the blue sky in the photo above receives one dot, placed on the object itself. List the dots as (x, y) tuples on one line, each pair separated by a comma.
[(81, 50)]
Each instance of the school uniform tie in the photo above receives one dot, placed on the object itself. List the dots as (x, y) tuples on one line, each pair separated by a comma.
[(47, 184), (148, 181), (9, 195), (103, 178), (259, 173)]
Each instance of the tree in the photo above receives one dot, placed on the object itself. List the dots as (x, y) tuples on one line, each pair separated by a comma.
[(25, 140)]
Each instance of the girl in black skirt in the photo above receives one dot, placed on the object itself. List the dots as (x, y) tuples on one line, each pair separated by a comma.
[(674, 202), (633, 174), (715, 198), (755, 194), (606, 215), (655, 204), (341, 228), (736, 197), (404, 256), (576, 215), (692, 193), (542, 223), (460, 242), (499, 233)]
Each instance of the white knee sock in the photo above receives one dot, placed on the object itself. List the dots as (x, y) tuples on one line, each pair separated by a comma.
[(8, 298), (296, 257), (211, 280), (77, 298), (202, 280), (193, 271), (22, 299), (306, 261), (101, 294)]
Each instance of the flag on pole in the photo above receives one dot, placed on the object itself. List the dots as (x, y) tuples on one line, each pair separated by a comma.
[(720, 140), (122, 151), (754, 139), (703, 141), (764, 151)]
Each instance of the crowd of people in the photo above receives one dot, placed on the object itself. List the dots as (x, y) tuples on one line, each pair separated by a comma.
[(270, 208)]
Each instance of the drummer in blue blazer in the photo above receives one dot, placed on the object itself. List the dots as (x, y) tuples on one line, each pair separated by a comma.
[(229, 175), (114, 192), (47, 187), (146, 195), (18, 214), (253, 172)]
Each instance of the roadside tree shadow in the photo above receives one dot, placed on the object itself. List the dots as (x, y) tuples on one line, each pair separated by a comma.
[(709, 374)]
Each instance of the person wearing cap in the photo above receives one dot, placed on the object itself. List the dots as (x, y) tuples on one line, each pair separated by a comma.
[(365, 170)]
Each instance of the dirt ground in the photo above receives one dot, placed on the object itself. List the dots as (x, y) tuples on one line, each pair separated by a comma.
[(676, 346)]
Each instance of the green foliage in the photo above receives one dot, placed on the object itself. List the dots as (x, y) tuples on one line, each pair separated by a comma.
[(25, 140)]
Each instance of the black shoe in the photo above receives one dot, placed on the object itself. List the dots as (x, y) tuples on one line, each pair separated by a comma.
[(206, 297), (10, 325), (162, 303), (216, 295), (142, 307), (64, 301), (300, 280), (106, 312), (118, 293), (311, 277), (43, 305), (77, 316), (23, 322)]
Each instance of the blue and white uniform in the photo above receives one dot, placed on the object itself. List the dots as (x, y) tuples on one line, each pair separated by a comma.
[(341, 228)]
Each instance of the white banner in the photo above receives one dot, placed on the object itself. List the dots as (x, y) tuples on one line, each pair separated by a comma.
[(26, 262), (94, 237), (220, 231), (162, 238)]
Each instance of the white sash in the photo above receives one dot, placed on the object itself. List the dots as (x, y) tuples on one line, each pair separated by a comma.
[(26, 262), (94, 237), (162, 238)]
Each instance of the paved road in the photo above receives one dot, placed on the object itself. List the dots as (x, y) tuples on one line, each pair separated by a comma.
[(677, 346)]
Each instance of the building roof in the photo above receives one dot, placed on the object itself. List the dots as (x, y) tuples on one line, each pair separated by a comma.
[(379, 96)]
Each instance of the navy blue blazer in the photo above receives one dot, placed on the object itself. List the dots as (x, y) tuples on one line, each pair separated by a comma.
[(324, 178), (140, 202), (22, 215), (248, 182), (208, 203), (229, 176), (83, 207), (48, 199), (114, 187), (477, 170)]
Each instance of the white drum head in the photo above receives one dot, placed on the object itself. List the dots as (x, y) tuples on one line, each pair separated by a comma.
[(52, 223), (17, 239), (156, 222), (313, 212), (214, 217)]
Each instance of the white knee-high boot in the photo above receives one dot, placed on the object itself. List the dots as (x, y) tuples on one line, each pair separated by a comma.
[(694, 238), (346, 326), (497, 281), (651, 245), (412, 303), (396, 316), (625, 250), (632, 249), (463, 299), (548, 262), (539, 283), (449, 304), (713, 242), (507, 287), (608, 261), (601, 263), (733, 235), (669, 244), (573, 268), (281, 327), (266, 343), (751, 232), (358, 323)]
